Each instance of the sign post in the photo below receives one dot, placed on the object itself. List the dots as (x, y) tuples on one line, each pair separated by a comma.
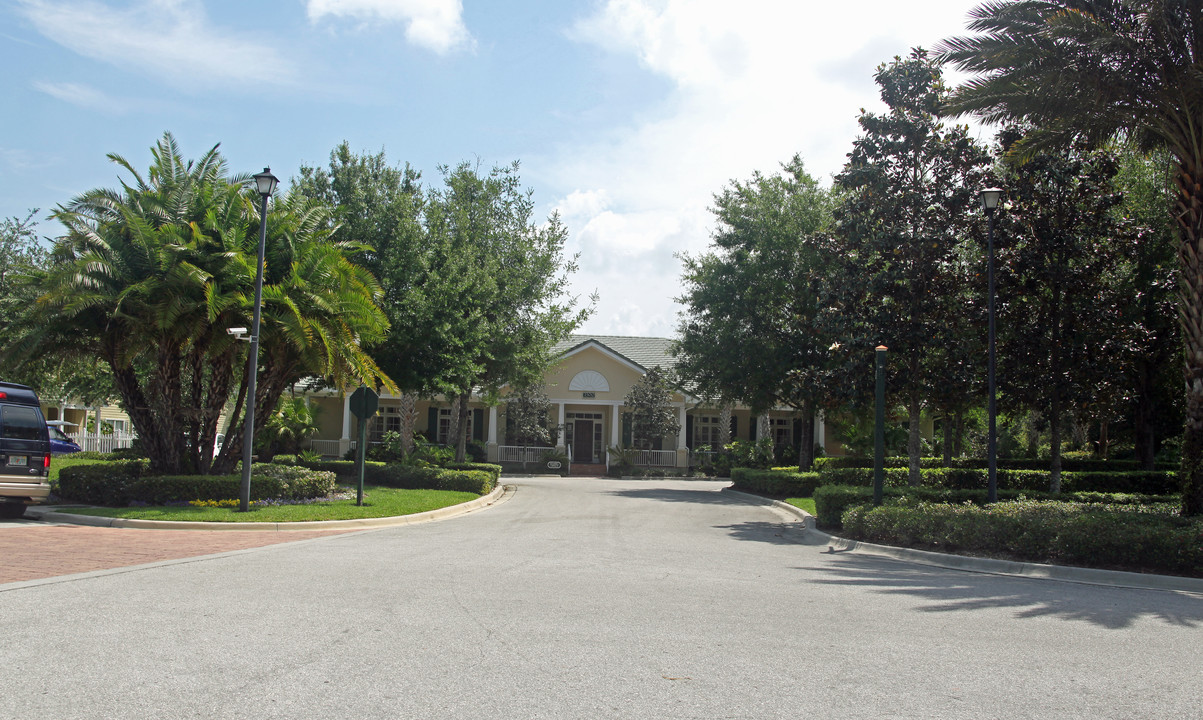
[(364, 402)]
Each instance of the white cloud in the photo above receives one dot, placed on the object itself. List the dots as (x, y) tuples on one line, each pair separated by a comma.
[(168, 38), (82, 96), (752, 83), (437, 25)]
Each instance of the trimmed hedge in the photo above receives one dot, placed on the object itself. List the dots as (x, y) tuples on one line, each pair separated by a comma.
[(123, 482), (831, 501), (1030, 530), (1154, 482), (1067, 464), (479, 478), (783, 483)]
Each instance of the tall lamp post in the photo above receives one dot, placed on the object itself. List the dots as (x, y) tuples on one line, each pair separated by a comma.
[(990, 198), (265, 183)]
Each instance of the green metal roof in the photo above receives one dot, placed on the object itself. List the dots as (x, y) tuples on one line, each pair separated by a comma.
[(646, 352)]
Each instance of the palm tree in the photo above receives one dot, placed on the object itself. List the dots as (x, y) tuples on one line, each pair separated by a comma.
[(1096, 70), (140, 280), (149, 278), (319, 310)]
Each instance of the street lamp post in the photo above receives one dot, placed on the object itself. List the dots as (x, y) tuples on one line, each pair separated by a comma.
[(990, 197), (265, 183)]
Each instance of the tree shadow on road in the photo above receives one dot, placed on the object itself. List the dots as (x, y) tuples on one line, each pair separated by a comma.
[(708, 497), (960, 591), (775, 533)]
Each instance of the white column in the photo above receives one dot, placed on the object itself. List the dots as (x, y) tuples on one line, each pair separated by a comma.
[(682, 434), (560, 423), (493, 425), (346, 417), (615, 428)]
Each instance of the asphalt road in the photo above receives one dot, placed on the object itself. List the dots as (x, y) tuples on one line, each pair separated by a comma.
[(590, 599)]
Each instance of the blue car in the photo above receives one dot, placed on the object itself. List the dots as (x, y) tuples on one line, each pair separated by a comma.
[(60, 443)]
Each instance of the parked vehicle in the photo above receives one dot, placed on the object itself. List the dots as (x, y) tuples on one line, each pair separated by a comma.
[(60, 442), (24, 450)]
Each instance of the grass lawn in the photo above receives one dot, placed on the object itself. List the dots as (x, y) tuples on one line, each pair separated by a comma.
[(807, 504), (377, 502), (58, 462)]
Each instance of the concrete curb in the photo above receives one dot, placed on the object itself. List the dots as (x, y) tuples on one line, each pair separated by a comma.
[(500, 493), (990, 566)]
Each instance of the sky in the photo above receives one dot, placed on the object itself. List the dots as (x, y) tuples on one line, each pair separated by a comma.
[(627, 116)]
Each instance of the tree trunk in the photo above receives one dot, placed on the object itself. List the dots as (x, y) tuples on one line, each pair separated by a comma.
[(724, 426), (409, 417), (1054, 483), (1142, 416), (959, 444), (912, 443), (461, 443), (1188, 209), (1103, 440), (806, 448), (947, 443)]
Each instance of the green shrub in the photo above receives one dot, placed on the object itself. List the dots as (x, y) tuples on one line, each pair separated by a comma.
[(831, 501), (777, 482), (1067, 464), (1151, 482), (1038, 531), (494, 470), (101, 483), (125, 482)]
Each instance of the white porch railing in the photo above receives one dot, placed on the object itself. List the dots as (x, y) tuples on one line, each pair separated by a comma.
[(515, 454), (334, 448), (94, 442), (656, 458)]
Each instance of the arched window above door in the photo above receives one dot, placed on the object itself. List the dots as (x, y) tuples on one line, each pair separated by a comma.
[(589, 381)]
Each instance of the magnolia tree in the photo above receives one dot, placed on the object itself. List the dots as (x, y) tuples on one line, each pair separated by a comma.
[(651, 411)]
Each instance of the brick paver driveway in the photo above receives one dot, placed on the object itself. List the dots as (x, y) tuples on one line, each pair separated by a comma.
[(33, 550)]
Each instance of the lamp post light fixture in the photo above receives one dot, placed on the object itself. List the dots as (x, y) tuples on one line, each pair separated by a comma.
[(265, 183), (990, 198)]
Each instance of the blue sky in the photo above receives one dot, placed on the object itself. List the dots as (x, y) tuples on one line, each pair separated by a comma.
[(626, 115)]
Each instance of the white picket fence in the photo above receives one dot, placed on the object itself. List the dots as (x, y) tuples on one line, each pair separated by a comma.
[(99, 442)]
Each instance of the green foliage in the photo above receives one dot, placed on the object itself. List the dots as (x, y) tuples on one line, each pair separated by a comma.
[(906, 274), (752, 328), (528, 417), (758, 454), (1140, 539), (293, 422), (776, 482), (649, 403), (481, 478), (124, 482), (147, 279), (1096, 72)]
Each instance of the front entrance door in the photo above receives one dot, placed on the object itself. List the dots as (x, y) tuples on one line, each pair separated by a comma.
[(582, 441)]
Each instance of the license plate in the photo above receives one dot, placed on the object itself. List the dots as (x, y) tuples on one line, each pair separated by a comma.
[(18, 460)]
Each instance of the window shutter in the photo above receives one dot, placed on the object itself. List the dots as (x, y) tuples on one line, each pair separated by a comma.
[(753, 426), (478, 424), (432, 424), (734, 427), (689, 431)]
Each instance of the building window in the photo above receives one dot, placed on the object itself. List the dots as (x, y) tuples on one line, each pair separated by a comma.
[(389, 421), (705, 431), (783, 432), (445, 426)]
